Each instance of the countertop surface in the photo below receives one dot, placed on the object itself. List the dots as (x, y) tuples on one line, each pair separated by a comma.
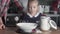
[(12, 30)]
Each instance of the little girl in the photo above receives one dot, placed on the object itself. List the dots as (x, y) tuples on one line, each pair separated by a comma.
[(32, 15)]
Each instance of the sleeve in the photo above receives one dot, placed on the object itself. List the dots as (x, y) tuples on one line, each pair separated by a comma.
[(3, 2), (4, 7), (18, 4)]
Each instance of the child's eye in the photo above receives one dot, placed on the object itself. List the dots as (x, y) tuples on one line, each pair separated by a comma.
[(33, 7), (29, 8)]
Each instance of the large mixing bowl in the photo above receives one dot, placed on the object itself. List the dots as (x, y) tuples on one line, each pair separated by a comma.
[(27, 27)]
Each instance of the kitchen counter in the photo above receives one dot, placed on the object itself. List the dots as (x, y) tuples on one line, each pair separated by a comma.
[(12, 30), (8, 30)]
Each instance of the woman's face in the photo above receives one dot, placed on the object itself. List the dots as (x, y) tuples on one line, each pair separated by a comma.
[(33, 7)]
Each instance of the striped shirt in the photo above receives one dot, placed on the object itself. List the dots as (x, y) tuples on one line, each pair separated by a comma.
[(4, 6)]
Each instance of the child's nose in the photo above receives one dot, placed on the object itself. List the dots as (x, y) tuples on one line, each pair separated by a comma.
[(32, 8)]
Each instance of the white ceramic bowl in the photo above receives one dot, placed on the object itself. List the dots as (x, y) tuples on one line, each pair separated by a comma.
[(27, 27)]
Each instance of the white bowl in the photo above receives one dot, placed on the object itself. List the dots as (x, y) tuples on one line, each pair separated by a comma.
[(27, 27)]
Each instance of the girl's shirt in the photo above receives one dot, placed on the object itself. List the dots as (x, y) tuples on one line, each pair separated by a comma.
[(32, 19)]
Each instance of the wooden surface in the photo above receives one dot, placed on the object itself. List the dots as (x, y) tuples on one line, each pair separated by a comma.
[(7, 31), (12, 30)]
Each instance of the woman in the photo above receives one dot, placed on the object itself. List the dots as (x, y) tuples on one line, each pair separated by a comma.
[(4, 6)]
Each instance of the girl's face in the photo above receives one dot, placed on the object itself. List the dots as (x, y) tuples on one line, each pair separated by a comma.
[(33, 7)]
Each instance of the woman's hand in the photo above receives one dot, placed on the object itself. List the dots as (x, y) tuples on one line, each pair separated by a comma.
[(2, 26)]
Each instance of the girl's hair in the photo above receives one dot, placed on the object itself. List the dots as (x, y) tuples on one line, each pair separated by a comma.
[(29, 1)]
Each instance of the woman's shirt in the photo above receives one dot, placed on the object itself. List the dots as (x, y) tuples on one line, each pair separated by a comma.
[(4, 6)]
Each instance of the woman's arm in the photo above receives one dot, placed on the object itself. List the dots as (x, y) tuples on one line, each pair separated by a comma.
[(4, 7), (18, 4), (2, 26)]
